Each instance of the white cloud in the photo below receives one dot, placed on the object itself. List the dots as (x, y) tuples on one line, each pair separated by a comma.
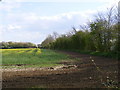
[(59, 21), (31, 26), (23, 36), (13, 27), (8, 6), (28, 35), (28, 19), (9, 28)]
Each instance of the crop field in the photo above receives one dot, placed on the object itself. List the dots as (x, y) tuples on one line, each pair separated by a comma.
[(31, 57), (44, 68)]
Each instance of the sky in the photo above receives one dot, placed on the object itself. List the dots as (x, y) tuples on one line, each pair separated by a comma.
[(33, 20)]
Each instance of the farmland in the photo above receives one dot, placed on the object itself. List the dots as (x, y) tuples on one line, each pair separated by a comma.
[(43, 68), (60, 45), (30, 57)]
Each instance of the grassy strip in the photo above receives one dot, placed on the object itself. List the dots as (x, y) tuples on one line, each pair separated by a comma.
[(32, 58), (114, 55), (97, 53)]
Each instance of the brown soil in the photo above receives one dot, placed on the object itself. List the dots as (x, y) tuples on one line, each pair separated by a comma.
[(80, 74)]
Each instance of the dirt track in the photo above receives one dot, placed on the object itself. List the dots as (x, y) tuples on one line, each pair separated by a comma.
[(85, 74)]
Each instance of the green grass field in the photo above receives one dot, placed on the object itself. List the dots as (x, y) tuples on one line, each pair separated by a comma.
[(31, 57)]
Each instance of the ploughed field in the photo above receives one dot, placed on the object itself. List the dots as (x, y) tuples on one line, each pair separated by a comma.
[(41, 68)]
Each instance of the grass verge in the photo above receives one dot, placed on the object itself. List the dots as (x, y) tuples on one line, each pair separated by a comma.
[(115, 55)]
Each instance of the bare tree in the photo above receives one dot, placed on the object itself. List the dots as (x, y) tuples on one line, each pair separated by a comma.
[(55, 35)]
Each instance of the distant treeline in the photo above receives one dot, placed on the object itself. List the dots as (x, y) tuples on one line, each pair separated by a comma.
[(101, 35), (8, 45)]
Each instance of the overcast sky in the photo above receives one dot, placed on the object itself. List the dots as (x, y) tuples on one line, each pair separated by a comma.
[(32, 21)]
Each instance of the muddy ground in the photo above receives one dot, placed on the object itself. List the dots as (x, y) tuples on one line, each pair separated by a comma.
[(88, 71)]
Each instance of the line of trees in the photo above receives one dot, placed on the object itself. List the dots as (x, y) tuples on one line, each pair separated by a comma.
[(102, 34), (8, 45)]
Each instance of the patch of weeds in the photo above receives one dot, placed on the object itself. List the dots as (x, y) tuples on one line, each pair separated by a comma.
[(109, 83)]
